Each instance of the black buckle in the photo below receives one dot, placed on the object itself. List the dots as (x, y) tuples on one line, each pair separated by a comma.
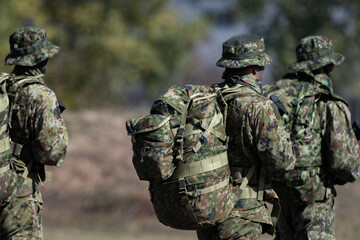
[(180, 135), (182, 186)]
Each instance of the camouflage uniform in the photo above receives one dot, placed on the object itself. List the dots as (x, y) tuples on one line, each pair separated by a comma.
[(255, 137), (37, 129), (327, 152)]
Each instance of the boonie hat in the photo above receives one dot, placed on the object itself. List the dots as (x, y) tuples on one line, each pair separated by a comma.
[(314, 52), (242, 51), (30, 46)]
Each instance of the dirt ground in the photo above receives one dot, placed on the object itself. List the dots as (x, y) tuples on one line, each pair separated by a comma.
[(97, 195)]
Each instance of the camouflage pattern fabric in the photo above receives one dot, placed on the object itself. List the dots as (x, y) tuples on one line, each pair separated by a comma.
[(312, 221), (21, 219), (30, 46), (256, 135), (181, 149), (242, 51), (37, 124), (326, 149), (314, 52), (233, 228), (39, 127)]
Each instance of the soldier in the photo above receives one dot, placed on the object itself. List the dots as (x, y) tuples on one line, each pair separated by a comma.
[(327, 152), (258, 145), (38, 133)]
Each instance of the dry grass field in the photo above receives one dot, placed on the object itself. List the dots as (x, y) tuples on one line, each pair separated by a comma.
[(97, 195)]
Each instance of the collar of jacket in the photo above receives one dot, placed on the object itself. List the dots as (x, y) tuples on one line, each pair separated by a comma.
[(324, 81), (253, 82), (245, 80)]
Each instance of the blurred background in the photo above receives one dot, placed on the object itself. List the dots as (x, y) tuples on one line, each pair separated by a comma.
[(118, 56)]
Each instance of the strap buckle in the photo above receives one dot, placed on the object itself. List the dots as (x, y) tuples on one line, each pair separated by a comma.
[(180, 135), (16, 149), (182, 186)]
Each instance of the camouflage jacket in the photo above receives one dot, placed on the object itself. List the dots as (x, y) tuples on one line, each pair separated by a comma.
[(37, 124), (256, 135), (319, 123)]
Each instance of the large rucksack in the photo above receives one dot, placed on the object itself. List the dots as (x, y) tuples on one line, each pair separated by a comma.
[(8, 177), (181, 149), (13, 171)]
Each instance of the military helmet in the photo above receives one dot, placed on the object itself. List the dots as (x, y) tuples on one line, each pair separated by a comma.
[(30, 46), (314, 52), (242, 51)]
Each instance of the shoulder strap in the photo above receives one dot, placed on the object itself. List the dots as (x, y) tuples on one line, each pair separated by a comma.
[(23, 80)]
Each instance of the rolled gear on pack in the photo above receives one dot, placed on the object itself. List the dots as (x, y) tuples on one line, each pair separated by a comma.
[(181, 149)]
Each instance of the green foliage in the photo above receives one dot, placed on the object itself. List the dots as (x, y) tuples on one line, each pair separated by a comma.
[(107, 46), (284, 22)]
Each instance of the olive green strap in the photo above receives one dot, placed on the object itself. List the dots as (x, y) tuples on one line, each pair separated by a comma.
[(230, 92), (246, 179), (189, 169), (5, 142), (181, 131), (261, 184), (191, 129), (4, 168), (249, 192), (275, 212), (215, 120), (210, 189)]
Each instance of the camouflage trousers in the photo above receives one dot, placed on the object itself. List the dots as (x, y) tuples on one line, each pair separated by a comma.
[(233, 227), (301, 221), (21, 220)]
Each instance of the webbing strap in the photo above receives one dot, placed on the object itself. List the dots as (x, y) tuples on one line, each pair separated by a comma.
[(249, 192), (210, 189), (205, 165), (275, 212), (230, 92), (246, 179), (4, 168), (4, 143), (190, 129), (181, 132), (215, 120), (260, 196)]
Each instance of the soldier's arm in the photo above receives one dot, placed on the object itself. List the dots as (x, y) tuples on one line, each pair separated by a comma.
[(342, 149), (51, 137), (273, 142)]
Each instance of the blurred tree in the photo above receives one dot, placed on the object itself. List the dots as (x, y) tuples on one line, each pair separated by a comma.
[(110, 49), (284, 22)]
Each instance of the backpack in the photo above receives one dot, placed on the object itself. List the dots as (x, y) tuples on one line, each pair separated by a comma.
[(8, 177), (181, 149), (13, 171)]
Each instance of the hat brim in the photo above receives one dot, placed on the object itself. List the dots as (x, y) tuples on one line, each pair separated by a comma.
[(313, 64), (260, 60), (34, 58)]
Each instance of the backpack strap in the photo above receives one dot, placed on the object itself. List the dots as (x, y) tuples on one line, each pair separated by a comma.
[(188, 169), (4, 168)]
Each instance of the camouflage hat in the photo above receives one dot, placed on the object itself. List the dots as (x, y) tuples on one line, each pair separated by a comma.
[(242, 51), (314, 52), (30, 46)]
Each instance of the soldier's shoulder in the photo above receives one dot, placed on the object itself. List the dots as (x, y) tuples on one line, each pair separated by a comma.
[(40, 93), (340, 99)]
